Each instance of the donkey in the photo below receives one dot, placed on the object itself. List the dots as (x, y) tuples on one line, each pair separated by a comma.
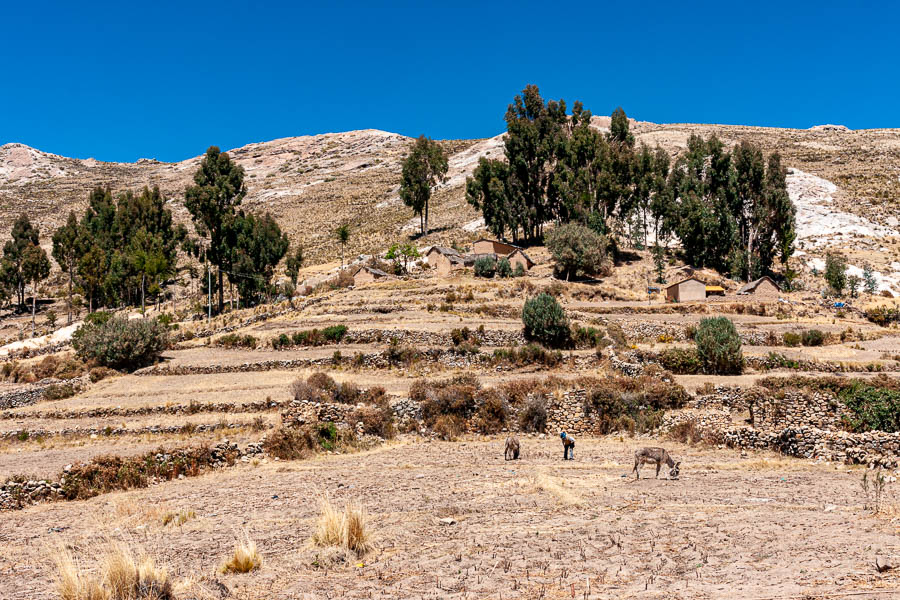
[(512, 449), (659, 456)]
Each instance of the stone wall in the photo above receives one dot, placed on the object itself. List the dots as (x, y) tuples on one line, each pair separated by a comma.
[(797, 409)]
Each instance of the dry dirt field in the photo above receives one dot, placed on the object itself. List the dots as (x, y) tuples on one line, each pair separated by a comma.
[(454, 520)]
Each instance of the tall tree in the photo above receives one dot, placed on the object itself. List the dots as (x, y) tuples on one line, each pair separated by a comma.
[(423, 168), (24, 236), (35, 268), (293, 264), (218, 189), (342, 233), (66, 251), (92, 270), (619, 128), (259, 245)]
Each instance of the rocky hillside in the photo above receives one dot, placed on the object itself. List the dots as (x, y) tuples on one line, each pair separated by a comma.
[(312, 183)]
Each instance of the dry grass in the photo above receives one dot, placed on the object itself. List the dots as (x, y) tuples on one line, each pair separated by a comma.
[(244, 559), (123, 577), (348, 529), (557, 488)]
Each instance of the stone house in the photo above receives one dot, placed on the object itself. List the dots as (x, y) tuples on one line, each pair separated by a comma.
[(486, 246), (368, 275), (686, 290), (764, 286), (518, 257), (445, 260)]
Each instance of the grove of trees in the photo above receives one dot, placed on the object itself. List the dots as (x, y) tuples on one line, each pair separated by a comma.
[(729, 209)]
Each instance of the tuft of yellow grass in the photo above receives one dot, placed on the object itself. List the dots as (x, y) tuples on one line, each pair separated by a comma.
[(123, 577), (345, 529), (244, 559)]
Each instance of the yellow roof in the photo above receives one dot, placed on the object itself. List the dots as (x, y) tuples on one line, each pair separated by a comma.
[(715, 288)]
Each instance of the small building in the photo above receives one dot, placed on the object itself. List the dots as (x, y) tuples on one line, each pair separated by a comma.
[(486, 246), (444, 260), (715, 290), (686, 290), (764, 286), (368, 275), (518, 257)]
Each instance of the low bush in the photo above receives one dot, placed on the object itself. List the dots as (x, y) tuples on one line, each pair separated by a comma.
[(492, 413), (123, 576), (244, 558), (311, 337), (586, 337), (121, 343), (59, 367), (528, 354), (533, 416), (453, 397), (100, 373), (377, 420), (873, 408), (448, 427), (504, 269), (322, 381), (813, 337), (486, 266), (633, 403), (59, 391), (617, 335), (719, 347), (680, 361), (791, 339), (401, 354), (236, 340), (545, 322)]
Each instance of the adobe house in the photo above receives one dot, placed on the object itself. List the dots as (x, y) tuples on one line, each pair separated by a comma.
[(444, 260), (486, 246), (368, 275), (518, 257), (686, 290), (764, 286)]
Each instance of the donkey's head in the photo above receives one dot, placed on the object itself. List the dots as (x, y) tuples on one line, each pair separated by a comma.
[(675, 470)]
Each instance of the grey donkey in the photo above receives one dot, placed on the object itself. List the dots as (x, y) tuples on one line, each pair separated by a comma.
[(648, 456), (512, 448)]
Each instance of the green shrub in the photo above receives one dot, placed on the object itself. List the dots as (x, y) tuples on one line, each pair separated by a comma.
[(335, 333), (578, 251), (99, 317), (519, 271), (121, 343), (486, 266), (680, 361), (59, 391), (719, 347), (813, 337), (586, 337), (873, 408), (545, 321), (791, 339), (236, 340), (282, 341), (503, 268), (883, 315), (529, 354), (836, 272)]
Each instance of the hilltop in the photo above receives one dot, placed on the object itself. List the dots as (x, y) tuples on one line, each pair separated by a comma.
[(312, 183)]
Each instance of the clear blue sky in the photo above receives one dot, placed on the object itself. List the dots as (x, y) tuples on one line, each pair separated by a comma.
[(124, 80)]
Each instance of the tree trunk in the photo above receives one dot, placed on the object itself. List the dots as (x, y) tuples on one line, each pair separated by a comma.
[(143, 305), (221, 291), (33, 305), (69, 307), (425, 229)]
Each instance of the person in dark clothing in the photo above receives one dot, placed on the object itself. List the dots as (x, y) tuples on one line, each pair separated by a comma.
[(568, 443)]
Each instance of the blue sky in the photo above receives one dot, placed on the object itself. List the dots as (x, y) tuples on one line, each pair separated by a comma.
[(124, 80)]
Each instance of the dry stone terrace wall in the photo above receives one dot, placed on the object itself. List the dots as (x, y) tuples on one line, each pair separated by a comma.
[(31, 393), (798, 423)]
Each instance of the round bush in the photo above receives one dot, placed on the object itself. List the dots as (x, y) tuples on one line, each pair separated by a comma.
[(719, 347), (121, 343), (486, 266), (503, 268), (578, 251), (545, 321)]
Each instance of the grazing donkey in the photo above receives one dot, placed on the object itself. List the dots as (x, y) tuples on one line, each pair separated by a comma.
[(512, 449), (659, 456)]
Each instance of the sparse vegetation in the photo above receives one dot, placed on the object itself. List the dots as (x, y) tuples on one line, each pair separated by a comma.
[(348, 529), (244, 558)]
